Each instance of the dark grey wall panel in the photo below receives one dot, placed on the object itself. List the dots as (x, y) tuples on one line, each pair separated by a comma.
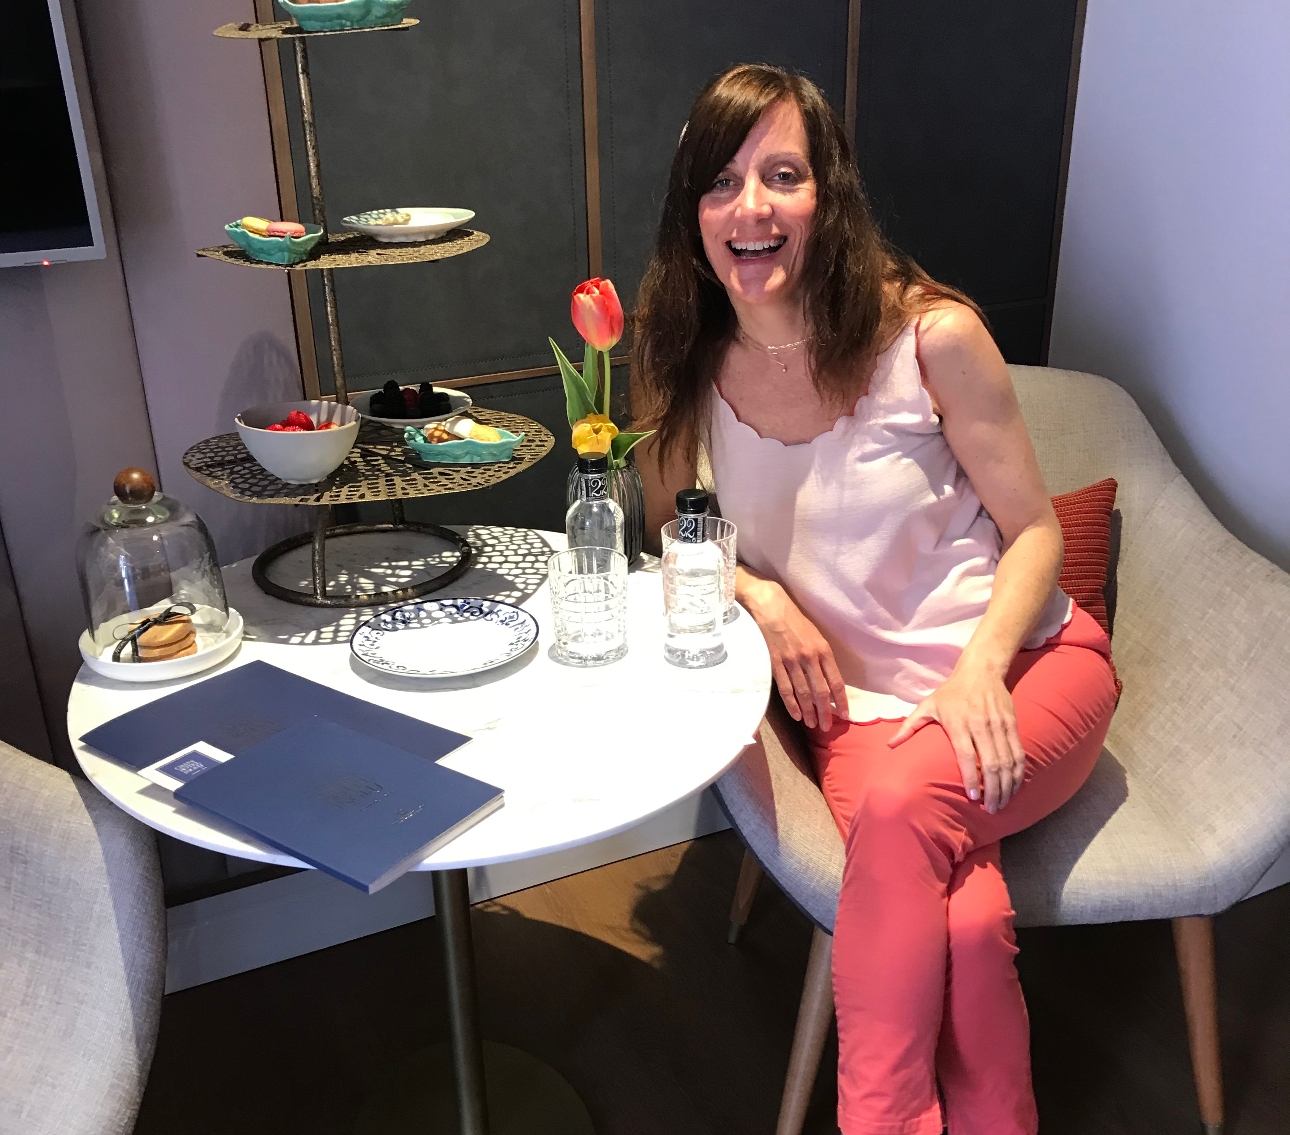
[(478, 107), (1018, 329), (960, 116), (652, 60)]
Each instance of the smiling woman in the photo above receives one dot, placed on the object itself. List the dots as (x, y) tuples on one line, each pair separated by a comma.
[(756, 218)]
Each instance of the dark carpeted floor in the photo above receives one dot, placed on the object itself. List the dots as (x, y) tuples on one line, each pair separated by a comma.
[(622, 979)]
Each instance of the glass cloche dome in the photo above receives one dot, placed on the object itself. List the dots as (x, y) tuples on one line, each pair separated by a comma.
[(145, 556)]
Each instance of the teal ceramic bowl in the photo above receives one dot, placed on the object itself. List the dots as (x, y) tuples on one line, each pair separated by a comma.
[(275, 249), (345, 14), (467, 451)]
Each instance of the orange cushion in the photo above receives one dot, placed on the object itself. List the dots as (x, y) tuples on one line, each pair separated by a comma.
[(1085, 517)]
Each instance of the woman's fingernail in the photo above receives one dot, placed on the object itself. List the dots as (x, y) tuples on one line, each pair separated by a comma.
[(974, 795)]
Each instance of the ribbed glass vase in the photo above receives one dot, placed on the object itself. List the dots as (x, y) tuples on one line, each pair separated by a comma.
[(624, 487)]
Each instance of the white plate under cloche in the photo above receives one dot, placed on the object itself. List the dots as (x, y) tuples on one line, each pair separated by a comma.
[(426, 224), (444, 638), (458, 399), (212, 649)]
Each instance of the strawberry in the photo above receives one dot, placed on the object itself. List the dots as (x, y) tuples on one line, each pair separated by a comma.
[(410, 397), (326, 426), (300, 419), (280, 428)]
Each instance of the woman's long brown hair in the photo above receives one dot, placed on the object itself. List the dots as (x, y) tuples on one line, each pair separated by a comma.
[(857, 289)]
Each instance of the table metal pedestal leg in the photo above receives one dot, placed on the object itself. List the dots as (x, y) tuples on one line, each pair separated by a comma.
[(469, 1086), (452, 913)]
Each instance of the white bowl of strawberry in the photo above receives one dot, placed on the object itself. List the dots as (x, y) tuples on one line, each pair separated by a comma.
[(299, 442)]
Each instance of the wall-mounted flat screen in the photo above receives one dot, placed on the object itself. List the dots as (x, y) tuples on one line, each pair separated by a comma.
[(48, 209)]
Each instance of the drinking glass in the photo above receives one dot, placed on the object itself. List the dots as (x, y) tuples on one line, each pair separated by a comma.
[(589, 604), (722, 533)]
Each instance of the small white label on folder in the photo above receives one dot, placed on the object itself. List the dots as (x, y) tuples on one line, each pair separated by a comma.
[(189, 763)]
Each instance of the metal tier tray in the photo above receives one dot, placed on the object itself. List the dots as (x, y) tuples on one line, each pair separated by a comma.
[(289, 30), (379, 467), (358, 250)]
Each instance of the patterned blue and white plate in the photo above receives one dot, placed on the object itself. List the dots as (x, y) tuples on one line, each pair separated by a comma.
[(444, 638)]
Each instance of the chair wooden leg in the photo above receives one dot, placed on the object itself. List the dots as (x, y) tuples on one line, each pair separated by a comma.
[(750, 874), (813, 1020), (1194, 945)]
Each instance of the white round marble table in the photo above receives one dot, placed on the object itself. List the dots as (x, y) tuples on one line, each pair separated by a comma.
[(580, 753)]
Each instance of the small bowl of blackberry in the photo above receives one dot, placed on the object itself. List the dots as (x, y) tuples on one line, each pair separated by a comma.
[(402, 406)]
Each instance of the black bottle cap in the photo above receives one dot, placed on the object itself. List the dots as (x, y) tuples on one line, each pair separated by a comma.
[(593, 463), (691, 502)]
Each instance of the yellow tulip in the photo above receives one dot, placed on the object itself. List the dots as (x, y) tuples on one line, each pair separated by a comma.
[(594, 433)]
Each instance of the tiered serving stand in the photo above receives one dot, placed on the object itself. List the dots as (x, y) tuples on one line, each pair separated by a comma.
[(379, 467), (522, 1093)]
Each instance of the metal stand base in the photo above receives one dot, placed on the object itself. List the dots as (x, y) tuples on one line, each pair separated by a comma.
[(525, 1097), (471, 1086), (323, 531)]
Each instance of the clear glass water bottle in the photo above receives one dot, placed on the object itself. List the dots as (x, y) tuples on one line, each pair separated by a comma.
[(692, 594), (594, 520)]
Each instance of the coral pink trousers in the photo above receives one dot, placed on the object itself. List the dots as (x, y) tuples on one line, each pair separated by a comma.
[(923, 973)]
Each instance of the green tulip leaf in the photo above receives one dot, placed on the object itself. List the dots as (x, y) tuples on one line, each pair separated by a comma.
[(578, 403), (622, 445), (590, 373)]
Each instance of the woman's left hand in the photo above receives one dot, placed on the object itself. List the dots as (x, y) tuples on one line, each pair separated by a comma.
[(975, 709)]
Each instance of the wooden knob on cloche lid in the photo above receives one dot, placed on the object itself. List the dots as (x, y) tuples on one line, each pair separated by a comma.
[(134, 486)]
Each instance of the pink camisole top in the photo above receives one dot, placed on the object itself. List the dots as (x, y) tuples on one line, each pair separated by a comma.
[(876, 533)]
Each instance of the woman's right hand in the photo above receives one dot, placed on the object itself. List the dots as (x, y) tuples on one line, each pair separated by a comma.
[(801, 659)]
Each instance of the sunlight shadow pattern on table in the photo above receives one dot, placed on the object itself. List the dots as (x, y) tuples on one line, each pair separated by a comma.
[(509, 566)]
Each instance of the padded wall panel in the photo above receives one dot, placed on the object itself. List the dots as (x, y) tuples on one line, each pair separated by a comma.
[(479, 107), (652, 60), (960, 114), (1018, 330)]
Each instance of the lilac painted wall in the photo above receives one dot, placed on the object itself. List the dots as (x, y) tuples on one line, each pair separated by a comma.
[(1174, 278), (185, 134), (74, 415)]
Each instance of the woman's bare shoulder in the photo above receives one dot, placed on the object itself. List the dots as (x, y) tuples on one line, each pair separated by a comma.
[(948, 326), (957, 354)]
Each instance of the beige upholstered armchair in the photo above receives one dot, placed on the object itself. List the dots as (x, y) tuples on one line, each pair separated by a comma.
[(82, 954), (1188, 807)]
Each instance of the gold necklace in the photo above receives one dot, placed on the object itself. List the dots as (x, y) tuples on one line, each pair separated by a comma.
[(773, 352)]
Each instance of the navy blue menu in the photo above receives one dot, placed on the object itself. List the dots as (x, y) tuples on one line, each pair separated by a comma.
[(241, 707), (355, 807)]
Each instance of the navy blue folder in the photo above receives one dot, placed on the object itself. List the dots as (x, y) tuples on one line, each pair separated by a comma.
[(247, 705), (353, 806)]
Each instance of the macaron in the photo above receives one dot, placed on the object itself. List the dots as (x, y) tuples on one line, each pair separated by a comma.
[(163, 641), (168, 634), (164, 654)]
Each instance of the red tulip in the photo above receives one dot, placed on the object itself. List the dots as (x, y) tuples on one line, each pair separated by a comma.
[(597, 314)]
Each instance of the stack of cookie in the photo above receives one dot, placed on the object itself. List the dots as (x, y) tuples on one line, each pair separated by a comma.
[(174, 639)]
